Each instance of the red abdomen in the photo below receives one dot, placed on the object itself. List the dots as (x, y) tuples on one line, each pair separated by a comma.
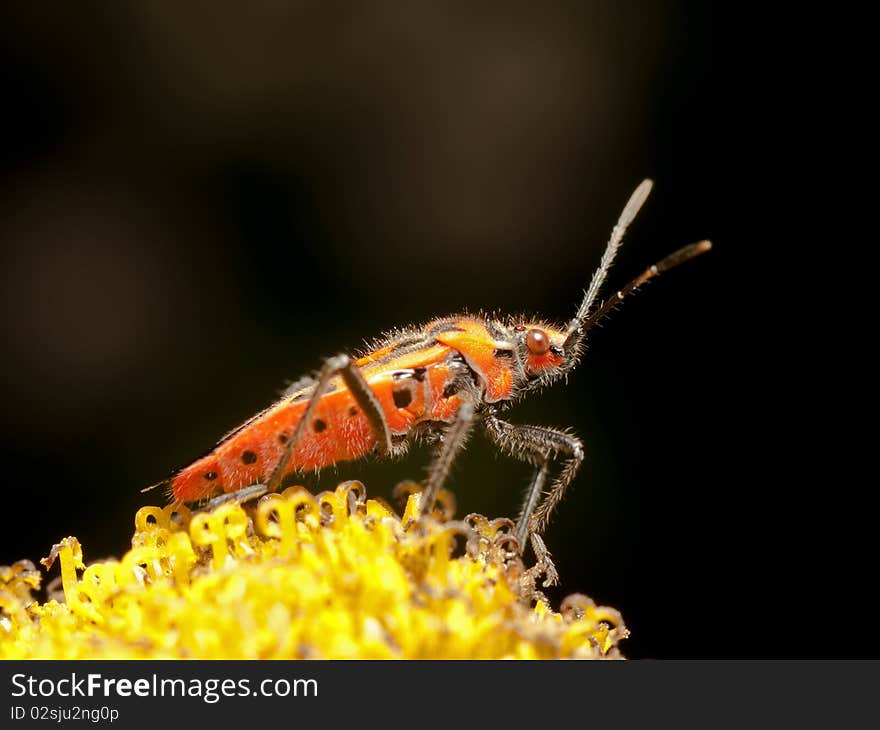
[(339, 432)]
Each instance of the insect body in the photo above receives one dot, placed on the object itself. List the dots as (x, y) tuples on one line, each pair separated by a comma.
[(412, 386), (434, 383)]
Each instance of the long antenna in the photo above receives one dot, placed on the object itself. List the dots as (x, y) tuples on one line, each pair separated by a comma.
[(671, 261), (636, 200)]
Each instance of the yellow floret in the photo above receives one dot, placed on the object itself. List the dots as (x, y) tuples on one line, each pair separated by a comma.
[(296, 575)]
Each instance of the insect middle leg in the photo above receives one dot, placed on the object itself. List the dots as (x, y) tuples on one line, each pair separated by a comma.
[(538, 446), (453, 442)]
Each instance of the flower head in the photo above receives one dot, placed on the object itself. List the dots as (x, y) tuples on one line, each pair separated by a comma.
[(333, 575)]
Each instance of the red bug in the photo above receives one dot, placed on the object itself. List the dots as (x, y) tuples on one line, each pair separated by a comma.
[(432, 383)]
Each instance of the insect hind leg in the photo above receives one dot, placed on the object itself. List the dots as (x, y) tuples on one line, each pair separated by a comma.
[(343, 366), (245, 494)]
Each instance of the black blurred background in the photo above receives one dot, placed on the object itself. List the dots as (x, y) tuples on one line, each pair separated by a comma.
[(201, 201)]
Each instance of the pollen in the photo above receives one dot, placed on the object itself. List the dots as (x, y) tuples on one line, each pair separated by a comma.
[(295, 575)]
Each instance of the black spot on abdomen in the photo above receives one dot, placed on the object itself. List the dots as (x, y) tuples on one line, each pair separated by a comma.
[(402, 397)]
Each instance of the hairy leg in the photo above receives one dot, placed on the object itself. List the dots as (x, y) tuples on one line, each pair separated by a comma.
[(339, 365), (539, 447), (454, 440)]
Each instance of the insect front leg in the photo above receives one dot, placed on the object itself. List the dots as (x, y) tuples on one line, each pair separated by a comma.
[(343, 366), (538, 446)]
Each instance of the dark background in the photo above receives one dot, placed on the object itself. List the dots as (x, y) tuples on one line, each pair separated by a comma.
[(199, 203)]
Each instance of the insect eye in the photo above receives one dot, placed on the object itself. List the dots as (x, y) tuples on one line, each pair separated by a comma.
[(538, 342)]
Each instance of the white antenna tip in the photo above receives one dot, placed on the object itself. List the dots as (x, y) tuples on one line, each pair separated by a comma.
[(636, 201)]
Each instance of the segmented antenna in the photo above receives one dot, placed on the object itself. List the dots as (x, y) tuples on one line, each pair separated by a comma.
[(674, 259), (636, 200)]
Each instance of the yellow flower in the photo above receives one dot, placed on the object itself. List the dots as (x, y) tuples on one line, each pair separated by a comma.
[(295, 575)]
